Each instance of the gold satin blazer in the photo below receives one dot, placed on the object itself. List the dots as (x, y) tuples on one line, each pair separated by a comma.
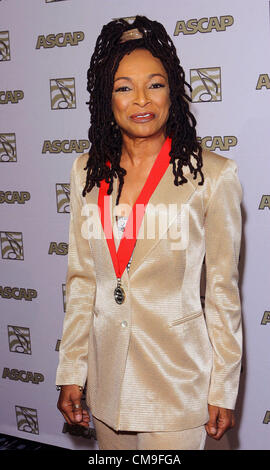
[(154, 362)]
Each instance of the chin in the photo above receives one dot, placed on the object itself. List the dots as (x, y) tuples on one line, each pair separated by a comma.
[(144, 132)]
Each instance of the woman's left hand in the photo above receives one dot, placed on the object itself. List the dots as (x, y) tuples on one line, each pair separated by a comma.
[(220, 420)]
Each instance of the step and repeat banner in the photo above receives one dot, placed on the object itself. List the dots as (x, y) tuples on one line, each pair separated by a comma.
[(45, 50)]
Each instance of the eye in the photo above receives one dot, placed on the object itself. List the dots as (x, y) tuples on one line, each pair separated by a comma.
[(122, 89), (157, 85)]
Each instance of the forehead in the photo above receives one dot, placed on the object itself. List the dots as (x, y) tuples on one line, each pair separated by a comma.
[(139, 61)]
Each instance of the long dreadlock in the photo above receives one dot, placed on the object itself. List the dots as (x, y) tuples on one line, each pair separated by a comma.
[(104, 135)]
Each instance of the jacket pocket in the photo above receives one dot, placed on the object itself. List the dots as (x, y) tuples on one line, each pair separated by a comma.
[(178, 321)]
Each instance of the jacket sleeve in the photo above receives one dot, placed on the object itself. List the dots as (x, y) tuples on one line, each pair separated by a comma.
[(80, 294), (223, 227)]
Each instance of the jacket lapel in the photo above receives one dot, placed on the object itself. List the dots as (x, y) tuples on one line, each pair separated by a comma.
[(161, 211)]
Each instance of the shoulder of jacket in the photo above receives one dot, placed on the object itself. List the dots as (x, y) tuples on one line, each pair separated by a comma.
[(78, 171), (80, 163), (214, 167), (214, 164)]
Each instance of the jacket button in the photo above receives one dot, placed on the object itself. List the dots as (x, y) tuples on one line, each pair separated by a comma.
[(124, 324)]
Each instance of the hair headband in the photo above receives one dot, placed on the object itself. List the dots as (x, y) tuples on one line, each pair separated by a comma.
[(131, 34)]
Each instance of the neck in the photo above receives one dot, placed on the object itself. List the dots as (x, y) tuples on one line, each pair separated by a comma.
[(135, 150)]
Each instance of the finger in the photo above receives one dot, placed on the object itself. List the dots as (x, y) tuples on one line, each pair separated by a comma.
[(84, 425), (211, 426), (72, 423), (211, 429), (221, 430), (80, 416), (66, 407), (86, 416), (85, 420), (224, 423), (77, 411)]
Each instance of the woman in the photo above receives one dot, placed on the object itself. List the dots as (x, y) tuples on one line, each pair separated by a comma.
[(160, 372)]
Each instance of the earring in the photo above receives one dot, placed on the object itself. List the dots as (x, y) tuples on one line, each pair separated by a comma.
[(113, 124)]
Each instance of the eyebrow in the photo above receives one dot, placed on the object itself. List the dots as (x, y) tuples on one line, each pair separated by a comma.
[(149, 76)]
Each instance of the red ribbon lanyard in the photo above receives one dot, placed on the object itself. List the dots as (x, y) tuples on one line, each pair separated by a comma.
[(129, 237)]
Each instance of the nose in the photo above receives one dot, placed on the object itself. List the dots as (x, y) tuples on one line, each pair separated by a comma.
[(141, 97)]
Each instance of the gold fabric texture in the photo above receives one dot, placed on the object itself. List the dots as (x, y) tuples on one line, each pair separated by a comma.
[(154, 362)]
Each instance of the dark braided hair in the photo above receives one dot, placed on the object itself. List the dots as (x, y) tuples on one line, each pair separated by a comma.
[(104, 135)]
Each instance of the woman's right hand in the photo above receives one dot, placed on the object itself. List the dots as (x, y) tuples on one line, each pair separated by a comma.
[(69, 397)]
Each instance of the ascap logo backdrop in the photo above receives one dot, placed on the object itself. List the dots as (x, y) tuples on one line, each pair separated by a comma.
[(45, 49)]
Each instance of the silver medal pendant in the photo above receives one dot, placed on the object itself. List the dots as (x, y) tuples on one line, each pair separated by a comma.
[(119, 293)]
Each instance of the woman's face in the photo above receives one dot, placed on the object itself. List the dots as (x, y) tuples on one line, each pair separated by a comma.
[(141, 95)]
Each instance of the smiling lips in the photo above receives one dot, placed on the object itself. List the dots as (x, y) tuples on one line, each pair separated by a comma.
[(142, 117)]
